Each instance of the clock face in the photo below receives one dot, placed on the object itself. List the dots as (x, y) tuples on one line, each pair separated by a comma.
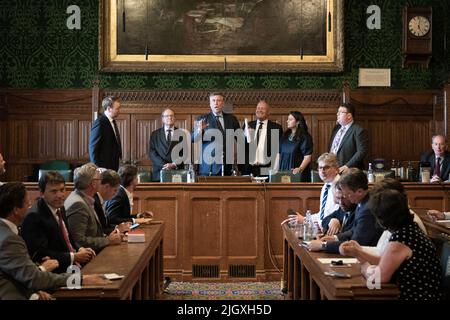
[(419, 26)]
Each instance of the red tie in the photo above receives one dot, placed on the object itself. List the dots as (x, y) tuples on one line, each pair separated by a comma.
[(437, 169), (64, 232)]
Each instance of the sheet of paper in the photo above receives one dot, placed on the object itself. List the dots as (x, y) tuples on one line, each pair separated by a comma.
[(344, 260)]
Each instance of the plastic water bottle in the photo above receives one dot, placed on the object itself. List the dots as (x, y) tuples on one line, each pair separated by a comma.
[(370, 176), (191, 174), (308, 227)]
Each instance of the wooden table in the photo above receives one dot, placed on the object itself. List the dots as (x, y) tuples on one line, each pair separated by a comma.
[(140, 263), (433, 228), (305, 278)]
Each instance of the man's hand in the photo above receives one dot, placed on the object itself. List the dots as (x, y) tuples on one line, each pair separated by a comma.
[(44, 295), (436, 215), (49, 264), (315, 245), (329, 238), (114, 237), (169, 166), (124, 227), (333, 227), (300, 218), (350, 248), (145, 214), (435, 178), (343, 169), (84, 255)]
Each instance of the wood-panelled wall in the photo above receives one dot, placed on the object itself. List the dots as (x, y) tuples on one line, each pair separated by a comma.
[(41, 125)]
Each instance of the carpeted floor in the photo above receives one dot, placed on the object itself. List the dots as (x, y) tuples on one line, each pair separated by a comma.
[(223, 291)]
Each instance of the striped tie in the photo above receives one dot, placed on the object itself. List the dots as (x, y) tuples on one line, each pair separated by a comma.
[(324, 201)]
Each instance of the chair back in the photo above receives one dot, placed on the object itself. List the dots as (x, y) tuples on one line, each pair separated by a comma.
[(284, 176), (55, 165), (67, 174)]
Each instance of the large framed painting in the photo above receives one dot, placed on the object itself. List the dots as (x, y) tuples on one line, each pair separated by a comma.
[(221, 35)]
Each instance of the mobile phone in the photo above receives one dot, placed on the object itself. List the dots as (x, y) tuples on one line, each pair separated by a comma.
[(337, 274), (134, 226), (112, 276), (337, 262)]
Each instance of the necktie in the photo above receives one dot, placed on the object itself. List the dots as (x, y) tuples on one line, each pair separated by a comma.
[(437, 168), (344, 221), (324, 201), (116, 129), (337, 140), (169, 136), (258, 132), (62, 227), (219, 125)]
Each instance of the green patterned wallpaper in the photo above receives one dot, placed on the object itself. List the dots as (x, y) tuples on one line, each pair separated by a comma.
[(38, 51)]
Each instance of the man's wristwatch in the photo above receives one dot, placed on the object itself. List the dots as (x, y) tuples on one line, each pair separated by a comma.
[(324, 245)]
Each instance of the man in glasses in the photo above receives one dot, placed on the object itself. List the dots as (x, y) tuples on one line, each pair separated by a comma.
[(349, 141), (161, 145)]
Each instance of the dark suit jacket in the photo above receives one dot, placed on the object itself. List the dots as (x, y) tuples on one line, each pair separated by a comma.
[(353, 148), (230, 122), (160, 152), (104, 150), (43, 237), (364, 229), (339, 214), (118, 208), (19, 276), (431, 158), (106, 226), (271, 126)]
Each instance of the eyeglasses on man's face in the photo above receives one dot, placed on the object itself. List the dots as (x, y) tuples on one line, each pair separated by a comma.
[(168, 116)]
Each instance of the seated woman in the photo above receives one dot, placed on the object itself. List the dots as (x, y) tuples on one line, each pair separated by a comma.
[(410, 258), (296, 147), (387, 183)]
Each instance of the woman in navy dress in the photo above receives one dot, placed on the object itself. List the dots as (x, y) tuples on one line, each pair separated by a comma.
[(296, 147)]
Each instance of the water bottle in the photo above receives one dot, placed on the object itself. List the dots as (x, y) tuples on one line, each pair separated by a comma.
[(191, 174), (370, 176), (308, 227)]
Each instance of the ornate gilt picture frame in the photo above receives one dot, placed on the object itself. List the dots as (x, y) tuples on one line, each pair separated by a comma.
[(221, 36)]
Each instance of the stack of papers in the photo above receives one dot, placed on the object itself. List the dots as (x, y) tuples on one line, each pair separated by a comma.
[(344, 260), (136, 236)]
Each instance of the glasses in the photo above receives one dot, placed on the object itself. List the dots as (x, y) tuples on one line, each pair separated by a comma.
[(168, 116), (341, 112), (324, 168)]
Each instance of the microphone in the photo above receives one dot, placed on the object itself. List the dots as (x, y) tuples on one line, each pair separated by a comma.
[(223, 164)]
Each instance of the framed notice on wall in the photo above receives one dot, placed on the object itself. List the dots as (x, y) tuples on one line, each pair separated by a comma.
[(374, 77), (221, 36)]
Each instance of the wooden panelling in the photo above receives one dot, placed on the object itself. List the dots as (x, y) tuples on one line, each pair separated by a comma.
[(227, 224), (47, 124)]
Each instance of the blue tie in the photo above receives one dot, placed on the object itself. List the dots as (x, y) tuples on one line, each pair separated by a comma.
[(324, 201)]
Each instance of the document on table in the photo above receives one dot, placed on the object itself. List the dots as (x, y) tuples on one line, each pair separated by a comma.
[(344, 260)]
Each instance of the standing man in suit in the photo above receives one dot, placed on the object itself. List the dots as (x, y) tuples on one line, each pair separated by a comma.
[(439, 159), (214, 147), (349, 141), (161, 145), (263, 129), (105, 146), (45, 227), (84, 225), (20, 277)]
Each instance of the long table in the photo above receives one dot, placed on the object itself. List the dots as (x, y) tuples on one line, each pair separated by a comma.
[(140, 263), (231, 231), (305, 278)]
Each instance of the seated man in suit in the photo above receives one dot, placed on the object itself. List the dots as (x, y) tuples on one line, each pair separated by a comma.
[(211, 130), (349, 141), (120, 207), (84, 225), (260, 136), (328, 167), (2, 166), (342, 219), (45, 227), (20, 277), (109, 184), (161, 145), (364, 229), (439, 159)]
